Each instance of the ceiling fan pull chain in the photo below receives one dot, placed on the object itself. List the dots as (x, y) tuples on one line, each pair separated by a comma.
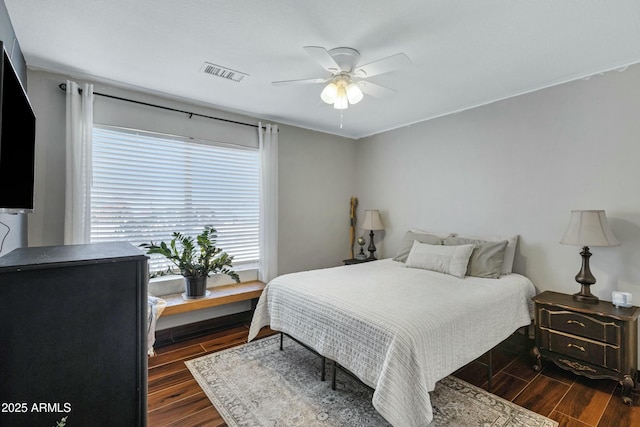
[(341, 118)]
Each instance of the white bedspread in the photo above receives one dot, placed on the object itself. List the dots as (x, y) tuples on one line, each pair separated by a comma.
[(399, 329)]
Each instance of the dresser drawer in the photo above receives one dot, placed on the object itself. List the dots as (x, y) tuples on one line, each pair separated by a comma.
[(590, 351), (593, 327)]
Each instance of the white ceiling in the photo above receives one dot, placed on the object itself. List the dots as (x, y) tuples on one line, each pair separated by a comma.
[(464, 53)]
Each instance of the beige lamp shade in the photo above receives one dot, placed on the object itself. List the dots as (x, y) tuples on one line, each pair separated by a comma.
[(589, 228), (372, 221)]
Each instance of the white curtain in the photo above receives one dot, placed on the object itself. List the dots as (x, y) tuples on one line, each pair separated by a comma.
[(79, 128), (268, 137)]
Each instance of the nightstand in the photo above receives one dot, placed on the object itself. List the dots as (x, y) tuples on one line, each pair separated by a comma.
[(357, 261), (595, 340)]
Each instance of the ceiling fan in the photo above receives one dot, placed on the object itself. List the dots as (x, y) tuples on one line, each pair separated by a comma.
[(347, 83)]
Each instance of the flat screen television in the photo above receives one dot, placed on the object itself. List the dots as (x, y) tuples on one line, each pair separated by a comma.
[(17, 141)]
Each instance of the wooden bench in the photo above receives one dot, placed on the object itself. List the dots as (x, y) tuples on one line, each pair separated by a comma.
[(218, 295)]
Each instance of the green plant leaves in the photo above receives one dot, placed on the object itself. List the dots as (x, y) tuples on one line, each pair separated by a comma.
[(197, 261)]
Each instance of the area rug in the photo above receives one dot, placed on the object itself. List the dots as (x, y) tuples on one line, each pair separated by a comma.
[(256, 384)]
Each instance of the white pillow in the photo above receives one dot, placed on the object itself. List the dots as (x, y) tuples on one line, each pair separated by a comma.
[(451, 260), (509, 253)]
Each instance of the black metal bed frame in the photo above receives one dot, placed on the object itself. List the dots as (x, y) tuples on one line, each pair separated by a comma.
[(324, 359)]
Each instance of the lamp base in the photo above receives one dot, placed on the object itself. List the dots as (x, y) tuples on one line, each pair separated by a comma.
[(372, 248), (586, 296), (586, 279)]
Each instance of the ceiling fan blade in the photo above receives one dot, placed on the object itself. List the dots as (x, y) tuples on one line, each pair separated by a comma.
[(322, 57), (390, 63), (375, 90), (299, 82)]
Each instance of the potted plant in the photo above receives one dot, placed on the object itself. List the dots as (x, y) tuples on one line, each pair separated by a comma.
[(195, 262)]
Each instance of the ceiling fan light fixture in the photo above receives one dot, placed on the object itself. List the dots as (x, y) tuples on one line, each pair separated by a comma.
[(329, 93), (343, 63), (341, 102), (354, 94)]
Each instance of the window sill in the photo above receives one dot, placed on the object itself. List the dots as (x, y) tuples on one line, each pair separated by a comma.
[(174, 284), (219, 295)]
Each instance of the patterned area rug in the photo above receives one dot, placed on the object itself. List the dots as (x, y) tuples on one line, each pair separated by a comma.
[(256, 384)]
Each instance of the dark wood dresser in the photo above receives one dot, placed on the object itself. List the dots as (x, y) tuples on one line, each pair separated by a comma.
[(595, 340), (73, 336)]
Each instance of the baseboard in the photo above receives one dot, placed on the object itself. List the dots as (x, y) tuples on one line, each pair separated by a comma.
[(204, 327)]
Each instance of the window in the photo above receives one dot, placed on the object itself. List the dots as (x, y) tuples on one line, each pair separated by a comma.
[(146, 186)]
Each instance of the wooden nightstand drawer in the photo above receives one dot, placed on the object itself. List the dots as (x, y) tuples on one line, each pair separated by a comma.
[(594, 327), (590, 351)]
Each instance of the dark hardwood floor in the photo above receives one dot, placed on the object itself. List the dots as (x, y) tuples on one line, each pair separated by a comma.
[(175, 399)]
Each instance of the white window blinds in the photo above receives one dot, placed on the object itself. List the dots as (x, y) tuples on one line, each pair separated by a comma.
[(146, 186)]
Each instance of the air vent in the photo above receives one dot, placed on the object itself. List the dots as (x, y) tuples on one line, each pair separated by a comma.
[(223, 72)]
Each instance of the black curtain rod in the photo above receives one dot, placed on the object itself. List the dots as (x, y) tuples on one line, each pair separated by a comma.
[(63, 86)]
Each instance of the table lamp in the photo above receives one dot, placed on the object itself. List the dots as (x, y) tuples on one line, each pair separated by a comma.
[(588, 228), (372, 222)]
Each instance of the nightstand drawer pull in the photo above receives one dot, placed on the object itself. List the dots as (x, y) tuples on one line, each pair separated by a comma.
[(570, 345), (575, 322)]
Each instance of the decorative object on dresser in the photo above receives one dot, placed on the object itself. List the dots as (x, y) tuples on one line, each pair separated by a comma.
[(361, 255), (595, 340), (195, 263), (621, 299), (352, 225), (588, 228), (372, 222)]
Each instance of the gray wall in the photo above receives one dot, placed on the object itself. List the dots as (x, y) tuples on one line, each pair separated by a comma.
[(520, 166), (13, 226), (316, 181)]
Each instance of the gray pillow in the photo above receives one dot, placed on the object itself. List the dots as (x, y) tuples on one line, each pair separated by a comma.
[(486, 259), (407, 243)]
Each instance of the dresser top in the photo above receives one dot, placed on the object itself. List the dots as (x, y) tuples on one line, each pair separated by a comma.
[(602, 308), (47, 256)]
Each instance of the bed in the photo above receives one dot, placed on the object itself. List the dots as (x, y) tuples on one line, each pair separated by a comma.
[(399, 328)]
